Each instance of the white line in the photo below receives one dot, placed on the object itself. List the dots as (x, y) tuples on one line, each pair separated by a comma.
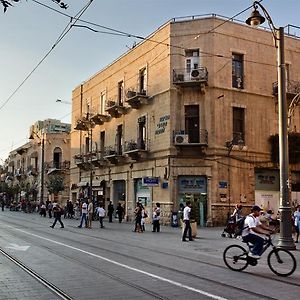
[(126, 266)]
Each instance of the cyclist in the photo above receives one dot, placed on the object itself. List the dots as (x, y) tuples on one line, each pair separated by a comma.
[(252, 231)]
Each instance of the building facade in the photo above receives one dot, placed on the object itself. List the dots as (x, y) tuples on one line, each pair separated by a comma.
[(190, 113), (46, 157)]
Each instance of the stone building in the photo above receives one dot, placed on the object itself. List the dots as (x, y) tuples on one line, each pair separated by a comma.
[(190, 113), (47, 153)]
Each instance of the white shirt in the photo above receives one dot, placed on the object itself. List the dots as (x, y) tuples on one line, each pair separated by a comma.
[(101, 211), (250, 222), (186, 213), (297, 217), (84, 208)]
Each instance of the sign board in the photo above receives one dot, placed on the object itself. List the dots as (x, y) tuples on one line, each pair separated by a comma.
[(222, 184), (150, 181)]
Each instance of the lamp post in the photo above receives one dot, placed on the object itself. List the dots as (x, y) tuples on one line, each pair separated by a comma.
[(237, 140), (42, 164), (285, 237)]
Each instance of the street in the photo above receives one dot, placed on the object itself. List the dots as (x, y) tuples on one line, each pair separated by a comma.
[(116, 263)]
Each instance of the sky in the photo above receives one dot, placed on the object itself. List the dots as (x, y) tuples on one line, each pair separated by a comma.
[(29, 30)]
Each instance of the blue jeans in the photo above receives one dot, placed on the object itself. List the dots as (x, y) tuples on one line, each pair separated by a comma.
[(83, 216), (257, 241)]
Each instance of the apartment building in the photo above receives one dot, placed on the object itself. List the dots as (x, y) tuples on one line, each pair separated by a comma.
[(190, 113), (46, 155)]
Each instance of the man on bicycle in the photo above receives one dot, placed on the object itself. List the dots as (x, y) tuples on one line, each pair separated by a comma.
[(252, 231)]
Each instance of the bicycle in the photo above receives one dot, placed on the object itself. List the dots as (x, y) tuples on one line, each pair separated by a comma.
[(281, 261)]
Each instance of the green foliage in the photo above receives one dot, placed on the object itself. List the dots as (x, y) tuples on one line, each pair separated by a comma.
[(55, 184), (294, 147)]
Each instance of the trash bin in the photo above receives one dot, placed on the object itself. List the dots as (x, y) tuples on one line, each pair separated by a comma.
[(174, 219)]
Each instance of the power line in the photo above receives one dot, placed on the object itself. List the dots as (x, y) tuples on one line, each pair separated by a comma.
[(59, 39)]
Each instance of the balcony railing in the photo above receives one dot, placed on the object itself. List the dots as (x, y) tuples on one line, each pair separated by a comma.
[(190, 77), (115, 109), (292, 88), (137, 99), (183, 138)]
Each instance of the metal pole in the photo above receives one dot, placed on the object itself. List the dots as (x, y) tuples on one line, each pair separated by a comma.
[(42, 170), (285, 236)]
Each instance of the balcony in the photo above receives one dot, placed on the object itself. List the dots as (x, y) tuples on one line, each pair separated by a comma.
[(115, 109), (82, 162), (183, 138), (99, 119), (292, 88), (113, 155), (57, 166), (137, 99), (97, 159), (191, 77), (135, 150)]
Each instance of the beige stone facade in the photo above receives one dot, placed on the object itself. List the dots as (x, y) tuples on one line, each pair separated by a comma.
[(49, 145), (185, 115)]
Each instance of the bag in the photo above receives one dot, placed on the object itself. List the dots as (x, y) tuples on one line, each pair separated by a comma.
[(240, 226)]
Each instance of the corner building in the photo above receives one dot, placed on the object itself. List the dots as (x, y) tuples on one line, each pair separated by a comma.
[(187, 114)]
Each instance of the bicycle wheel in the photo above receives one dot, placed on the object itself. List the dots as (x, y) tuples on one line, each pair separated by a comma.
[(282, 262), (235, 258)]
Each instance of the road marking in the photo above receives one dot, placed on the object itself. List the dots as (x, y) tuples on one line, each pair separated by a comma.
[(125, 266), (17, 247)]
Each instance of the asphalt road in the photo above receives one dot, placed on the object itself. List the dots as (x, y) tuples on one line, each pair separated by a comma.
[(116, 263)]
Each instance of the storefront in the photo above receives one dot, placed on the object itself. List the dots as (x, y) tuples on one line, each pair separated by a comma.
[(194, 189), (143, 195)]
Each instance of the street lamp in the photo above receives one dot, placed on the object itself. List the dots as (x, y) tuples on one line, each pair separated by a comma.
[(42, 164), (236, 141), (285, 237)]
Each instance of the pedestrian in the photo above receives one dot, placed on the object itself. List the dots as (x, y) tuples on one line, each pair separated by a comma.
[(144, 216), (186, 221), (57, 214), (101, 214), (83, 214), (76, 210), (70, 208), (50, 207), (90, 209), (138, 217), (2, 203), (110, 210), (120, 212), (43, 210), (237, 213), (156, 218), (297, 223)]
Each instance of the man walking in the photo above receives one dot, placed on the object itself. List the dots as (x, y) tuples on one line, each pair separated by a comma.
[(156, 218), (101, 213), (186, 221), (57, 214), (83, 214)]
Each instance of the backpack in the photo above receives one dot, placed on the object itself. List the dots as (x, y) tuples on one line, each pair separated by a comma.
[(240, 226)]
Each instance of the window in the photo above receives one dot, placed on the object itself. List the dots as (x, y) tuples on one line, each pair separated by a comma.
[(141, 140), (57, 157), (102, 143), (102, 102), (192, 60), (119, 136), (238, 71), (143, 81), (87, 145), (121, 93), (192, 123), (238, 124)]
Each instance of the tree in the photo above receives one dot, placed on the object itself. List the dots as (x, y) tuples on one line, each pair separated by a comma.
[(55, 184), (8, 3)]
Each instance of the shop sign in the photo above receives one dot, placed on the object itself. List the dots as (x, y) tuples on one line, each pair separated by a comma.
[(192, 184), (150, 181), (162, 124), (267, 180)]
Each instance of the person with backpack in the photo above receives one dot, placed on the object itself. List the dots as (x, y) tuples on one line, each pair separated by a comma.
[(252, 230)]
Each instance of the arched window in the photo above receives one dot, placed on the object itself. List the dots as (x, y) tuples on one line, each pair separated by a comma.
[(57, 157)]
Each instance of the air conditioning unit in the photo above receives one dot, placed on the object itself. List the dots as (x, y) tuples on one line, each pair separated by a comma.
[(195, 74), (181, 139)]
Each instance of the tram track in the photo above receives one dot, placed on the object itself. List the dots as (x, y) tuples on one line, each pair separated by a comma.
[(54, 289), (152, 264)]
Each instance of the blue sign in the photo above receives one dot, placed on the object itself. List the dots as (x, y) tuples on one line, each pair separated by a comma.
[(223, 184), (150, 181), (192, 184)]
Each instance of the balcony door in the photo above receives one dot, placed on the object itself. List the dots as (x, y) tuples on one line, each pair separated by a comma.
[(192, 123)]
